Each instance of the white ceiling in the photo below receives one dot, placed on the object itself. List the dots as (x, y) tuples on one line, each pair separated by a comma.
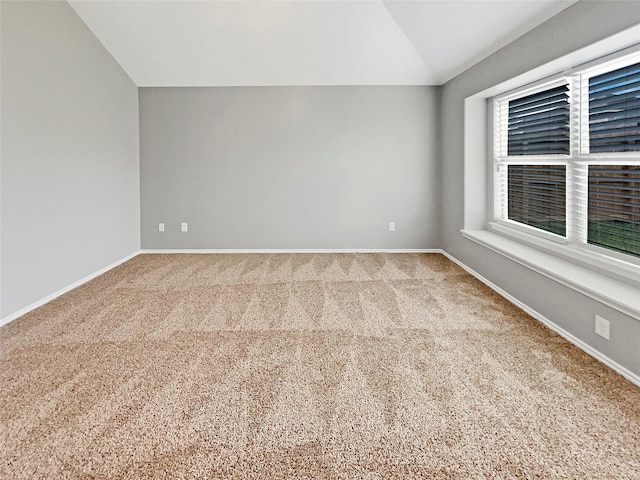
[(271, 42)]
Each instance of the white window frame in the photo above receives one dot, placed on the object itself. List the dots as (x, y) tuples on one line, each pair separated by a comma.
[(576, 163), (611, 280)]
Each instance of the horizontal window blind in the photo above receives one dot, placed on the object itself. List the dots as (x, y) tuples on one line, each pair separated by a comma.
[(538, 124), (614, 111), (614, 207), (536, 196)]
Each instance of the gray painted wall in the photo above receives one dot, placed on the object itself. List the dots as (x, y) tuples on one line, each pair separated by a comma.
[(289, 167), (573, 28), (70, 165)]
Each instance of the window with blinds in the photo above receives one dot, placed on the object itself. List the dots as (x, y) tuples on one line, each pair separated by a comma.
[(567, 156)]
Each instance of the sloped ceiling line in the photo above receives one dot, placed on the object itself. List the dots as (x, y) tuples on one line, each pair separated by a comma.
[(250, 43)]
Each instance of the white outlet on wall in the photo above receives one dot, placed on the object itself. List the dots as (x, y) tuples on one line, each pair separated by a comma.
[(184, 227), (392, 226), (161, 227), (602, 327)]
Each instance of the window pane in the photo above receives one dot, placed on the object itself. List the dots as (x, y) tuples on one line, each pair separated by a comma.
[(614, 207), (536, 196), (614, 111), (539, 123)]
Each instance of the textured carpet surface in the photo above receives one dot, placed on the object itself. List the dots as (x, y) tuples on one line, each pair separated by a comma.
[(303, 366)]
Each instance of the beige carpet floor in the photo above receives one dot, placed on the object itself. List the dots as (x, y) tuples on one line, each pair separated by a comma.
[(355, 366)]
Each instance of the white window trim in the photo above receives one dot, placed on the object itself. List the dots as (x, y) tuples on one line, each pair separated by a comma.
[(607, 278)]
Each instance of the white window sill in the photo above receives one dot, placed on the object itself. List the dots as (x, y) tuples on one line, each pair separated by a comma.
[(618, 293)]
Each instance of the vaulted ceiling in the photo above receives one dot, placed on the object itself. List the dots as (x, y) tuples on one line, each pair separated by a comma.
[(357, 42)]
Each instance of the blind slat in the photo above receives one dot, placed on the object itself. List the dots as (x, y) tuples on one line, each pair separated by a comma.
[(536, 137)]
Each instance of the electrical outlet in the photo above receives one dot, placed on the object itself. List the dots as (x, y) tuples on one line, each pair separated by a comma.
[(161, 227), (184, 227), (602, 327), (392, 226)]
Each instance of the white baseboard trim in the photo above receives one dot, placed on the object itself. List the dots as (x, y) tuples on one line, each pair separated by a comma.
[(291, 250), (62, 291), (626, 373)]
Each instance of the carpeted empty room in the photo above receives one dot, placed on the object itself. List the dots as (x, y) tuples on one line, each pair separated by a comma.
[(322, 240), (303, 366)]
